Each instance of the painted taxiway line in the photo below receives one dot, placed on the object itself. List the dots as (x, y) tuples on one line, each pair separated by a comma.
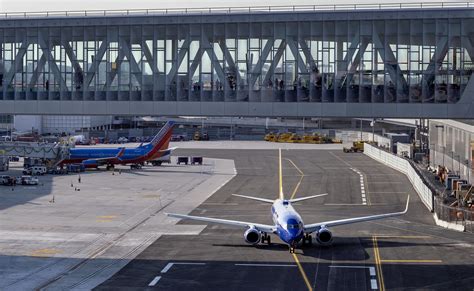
[(169, 265), (362, 186), (265, 265), (154, 281)]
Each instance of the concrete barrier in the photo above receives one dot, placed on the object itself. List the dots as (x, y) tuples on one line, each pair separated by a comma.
[(402, 165)]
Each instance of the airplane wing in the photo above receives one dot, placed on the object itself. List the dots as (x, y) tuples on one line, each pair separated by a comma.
[(258, 226), (316, 226), (255, 198), (103, 161)]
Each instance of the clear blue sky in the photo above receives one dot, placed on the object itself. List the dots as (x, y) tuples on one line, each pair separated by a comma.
[(50, 5)]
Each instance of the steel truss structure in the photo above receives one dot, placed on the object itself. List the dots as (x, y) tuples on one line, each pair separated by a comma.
[(377, 63)]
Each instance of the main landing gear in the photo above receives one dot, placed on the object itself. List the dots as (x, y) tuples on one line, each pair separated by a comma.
[(307, 240), (266, 238)]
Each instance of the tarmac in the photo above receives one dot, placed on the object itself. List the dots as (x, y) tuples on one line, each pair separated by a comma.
[(113, 234), (407, 252), (64, 235)]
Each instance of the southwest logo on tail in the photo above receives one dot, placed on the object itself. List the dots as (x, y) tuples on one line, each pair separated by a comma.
[(287, 223), (95, 157)]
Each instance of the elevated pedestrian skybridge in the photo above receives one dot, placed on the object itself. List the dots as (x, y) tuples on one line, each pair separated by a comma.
[(363, 60)]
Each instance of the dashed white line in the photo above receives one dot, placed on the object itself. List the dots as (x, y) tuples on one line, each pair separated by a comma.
[(362, 186), (154, 281), (372, 271), (167, 267), (373, 284)]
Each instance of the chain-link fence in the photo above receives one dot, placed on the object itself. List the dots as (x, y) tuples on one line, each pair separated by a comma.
[(456, 215)]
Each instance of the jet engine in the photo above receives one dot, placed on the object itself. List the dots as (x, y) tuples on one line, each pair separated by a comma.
[(252, 236), (324, 236)]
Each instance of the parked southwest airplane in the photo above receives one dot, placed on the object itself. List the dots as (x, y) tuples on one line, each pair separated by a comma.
[(95, 157), (288, 224)]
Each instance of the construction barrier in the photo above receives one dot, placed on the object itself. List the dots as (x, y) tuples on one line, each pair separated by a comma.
[(402, 165)]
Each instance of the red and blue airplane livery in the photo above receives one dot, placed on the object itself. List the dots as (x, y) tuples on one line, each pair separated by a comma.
[(95, 157)]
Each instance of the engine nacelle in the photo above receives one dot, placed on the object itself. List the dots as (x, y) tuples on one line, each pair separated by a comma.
[(324, 236), (252, 236)]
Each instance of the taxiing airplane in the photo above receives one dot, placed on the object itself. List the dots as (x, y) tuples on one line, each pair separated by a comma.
[(288, 224), (93, 157)]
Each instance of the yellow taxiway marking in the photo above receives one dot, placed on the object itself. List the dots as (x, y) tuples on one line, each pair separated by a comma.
[(413, 261), (299, 182), (45, 253), (378, 263), (303, 274)]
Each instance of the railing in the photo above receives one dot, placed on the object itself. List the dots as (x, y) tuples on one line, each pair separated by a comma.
[(237, 10), (455, 215)]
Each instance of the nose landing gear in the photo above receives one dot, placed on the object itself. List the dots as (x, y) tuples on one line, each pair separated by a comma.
[(292, 248)]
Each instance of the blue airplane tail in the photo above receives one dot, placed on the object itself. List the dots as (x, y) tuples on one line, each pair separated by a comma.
[(161, 139)]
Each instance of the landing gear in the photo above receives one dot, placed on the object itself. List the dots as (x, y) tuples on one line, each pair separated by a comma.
[(110, 167), (307, 240), (266, 238), (292, 249)]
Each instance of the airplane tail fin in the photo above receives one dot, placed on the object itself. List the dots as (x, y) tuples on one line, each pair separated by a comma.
[(306, 198), (280, 176), (255, 198), (161, 141)]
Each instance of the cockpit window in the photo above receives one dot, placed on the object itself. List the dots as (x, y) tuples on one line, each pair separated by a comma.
[(293, 226)]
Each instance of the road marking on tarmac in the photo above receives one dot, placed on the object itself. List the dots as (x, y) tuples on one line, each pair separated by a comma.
[(373, 281), (154, 281), (362, 186), (265, 265), (378, 263), (303, 273)]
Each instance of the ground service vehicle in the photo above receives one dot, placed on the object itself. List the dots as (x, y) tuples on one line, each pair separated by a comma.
[(357, 146)]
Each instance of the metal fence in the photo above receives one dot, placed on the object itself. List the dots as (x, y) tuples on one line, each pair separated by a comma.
[(240, 10), (456, 215)]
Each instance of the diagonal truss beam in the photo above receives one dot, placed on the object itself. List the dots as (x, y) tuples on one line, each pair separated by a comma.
[(351, 51), (391, 63), (307, 53), (299, 60), (18, 63), (90, 74), (149, 57), (230, 61), (183, 50), (257, 70), (53, 66), (276, 59), (127, 52), (36, 73), (441, 50)]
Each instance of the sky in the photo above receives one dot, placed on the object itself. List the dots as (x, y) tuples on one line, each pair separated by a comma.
[(70, 5)]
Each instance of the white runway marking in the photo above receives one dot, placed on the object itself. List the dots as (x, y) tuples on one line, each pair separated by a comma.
[(154, 281), (362, 185), (373, 284), (265, 265), (169, 265)]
